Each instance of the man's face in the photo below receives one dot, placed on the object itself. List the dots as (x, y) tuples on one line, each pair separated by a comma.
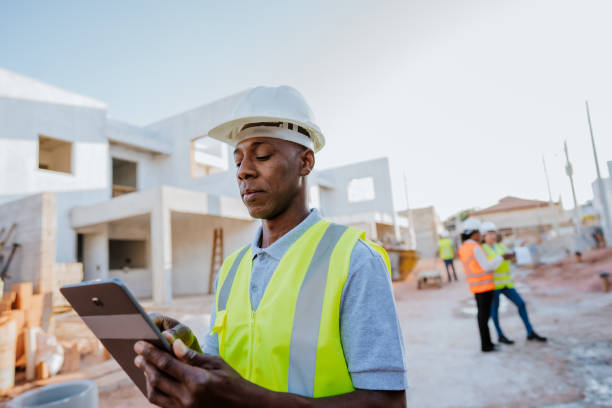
[(269, 173), (490, 238)]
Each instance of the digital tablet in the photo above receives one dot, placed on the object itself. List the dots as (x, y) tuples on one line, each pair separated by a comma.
[(112, 313)]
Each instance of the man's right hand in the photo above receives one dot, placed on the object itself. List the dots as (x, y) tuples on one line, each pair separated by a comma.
[(508, 256), (173, 329)]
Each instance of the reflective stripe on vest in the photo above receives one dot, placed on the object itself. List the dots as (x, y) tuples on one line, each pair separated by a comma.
[(292, 342), (478, 279), (502, 276)]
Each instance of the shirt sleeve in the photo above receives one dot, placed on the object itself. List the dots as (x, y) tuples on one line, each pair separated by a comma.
[(211, 341), (485, 263), (369, 326)]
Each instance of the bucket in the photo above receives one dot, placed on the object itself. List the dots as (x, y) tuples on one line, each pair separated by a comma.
[(70, 394), (8, 343)]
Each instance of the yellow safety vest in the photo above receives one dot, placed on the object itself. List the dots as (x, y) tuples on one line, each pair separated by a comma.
[(446, 248), (292, 342), (502, 276)]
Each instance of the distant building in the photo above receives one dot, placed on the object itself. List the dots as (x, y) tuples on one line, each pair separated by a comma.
[(427, 227), (519, 216), (598, 201), (141, 203)]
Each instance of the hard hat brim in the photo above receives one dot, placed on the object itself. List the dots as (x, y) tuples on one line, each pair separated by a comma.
[(227, 131)]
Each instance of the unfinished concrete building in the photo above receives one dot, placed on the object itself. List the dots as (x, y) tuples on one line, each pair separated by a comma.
[(156, 206), (427, 229), (520, 217)]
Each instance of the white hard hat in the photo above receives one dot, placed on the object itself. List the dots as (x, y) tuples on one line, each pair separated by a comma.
[(266, 104), (487, 226), (470, 225)]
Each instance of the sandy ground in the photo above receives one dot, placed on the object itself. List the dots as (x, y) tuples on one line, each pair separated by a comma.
[(445, 366)]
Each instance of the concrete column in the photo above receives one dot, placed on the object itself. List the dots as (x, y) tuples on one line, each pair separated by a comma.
[(95, 254), (161, 252)]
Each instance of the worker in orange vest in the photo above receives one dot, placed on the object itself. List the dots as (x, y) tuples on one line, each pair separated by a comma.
[(479, 275)]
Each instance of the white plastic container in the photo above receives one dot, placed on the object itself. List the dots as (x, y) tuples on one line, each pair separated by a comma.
[(69, 394)]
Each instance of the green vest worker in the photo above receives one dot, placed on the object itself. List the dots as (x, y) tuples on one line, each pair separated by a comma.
[(504, 285), (446, 250), (304, 315)]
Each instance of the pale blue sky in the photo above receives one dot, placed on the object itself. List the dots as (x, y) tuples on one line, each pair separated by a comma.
[(463, 96)]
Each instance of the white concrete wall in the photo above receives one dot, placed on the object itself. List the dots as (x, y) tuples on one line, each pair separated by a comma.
[(334, 201), (66, 235), (95, 254), (192, 237), (180, 130), (22, 121), (148, 165), (35, 232), (598, 201)]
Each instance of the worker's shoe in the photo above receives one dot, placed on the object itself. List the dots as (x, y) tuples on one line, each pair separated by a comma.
[(492, 347), (536, 337), (505, 340)]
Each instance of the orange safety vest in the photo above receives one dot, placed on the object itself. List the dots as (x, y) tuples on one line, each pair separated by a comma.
[(478, 279)]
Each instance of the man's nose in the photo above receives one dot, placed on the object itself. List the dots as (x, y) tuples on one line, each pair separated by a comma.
[(246, 169)]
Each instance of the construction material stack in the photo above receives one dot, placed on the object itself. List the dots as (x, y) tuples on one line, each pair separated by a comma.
[(20, 310)]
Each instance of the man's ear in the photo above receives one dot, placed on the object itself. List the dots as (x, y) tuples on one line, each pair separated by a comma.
[(307, 161)]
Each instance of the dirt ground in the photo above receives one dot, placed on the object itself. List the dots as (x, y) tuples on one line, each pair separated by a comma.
[(565, 303), (446, 368)]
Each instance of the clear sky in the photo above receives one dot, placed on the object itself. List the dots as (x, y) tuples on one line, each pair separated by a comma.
[(463, 96)]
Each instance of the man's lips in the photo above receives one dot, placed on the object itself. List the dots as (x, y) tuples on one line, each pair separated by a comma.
[(249, 195)]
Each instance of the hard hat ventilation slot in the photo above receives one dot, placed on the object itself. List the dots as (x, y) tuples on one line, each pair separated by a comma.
[(284, 125)]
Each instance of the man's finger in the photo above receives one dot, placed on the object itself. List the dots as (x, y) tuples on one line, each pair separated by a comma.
[(184, 333), (193, 358), (158, 398), (163, 322), (162, 360), (160, 381)]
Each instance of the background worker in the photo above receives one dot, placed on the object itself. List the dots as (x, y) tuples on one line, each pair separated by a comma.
[(479, 275), (306, 311), (504, 284), (446, 250)]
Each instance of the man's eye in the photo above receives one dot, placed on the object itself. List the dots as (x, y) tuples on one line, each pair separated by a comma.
[(263, 158)]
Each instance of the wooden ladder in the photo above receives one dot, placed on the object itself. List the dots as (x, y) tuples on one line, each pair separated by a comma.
[(216, 260)]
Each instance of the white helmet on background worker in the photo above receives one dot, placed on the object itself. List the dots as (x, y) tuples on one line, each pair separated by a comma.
[(470, 226), (487, 226), (282, 106)]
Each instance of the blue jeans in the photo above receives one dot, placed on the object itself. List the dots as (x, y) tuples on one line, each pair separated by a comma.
[(449, 264), (518, 301)]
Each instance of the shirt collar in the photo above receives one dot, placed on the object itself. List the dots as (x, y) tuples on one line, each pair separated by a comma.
[(278, 248)]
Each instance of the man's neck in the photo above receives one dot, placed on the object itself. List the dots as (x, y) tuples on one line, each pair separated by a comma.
[(272, 230)]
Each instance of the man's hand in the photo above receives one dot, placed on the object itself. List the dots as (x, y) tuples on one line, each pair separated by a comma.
[(173, 330), (189, 380), (192, 379), (508, 256)]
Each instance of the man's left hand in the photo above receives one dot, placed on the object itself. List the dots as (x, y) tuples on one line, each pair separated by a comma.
[(190, 379)]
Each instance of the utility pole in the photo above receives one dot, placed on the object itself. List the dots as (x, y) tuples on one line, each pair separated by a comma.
[(602, 192), (569, 170), (555, 215)]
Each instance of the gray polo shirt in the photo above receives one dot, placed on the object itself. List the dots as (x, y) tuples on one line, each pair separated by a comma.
[(369, 328)]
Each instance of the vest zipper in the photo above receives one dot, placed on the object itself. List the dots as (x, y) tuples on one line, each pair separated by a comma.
[(252, 348)]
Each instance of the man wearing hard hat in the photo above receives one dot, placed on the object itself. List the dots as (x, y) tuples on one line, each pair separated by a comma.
[(504, 285), (306, 310), (479, 275)]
